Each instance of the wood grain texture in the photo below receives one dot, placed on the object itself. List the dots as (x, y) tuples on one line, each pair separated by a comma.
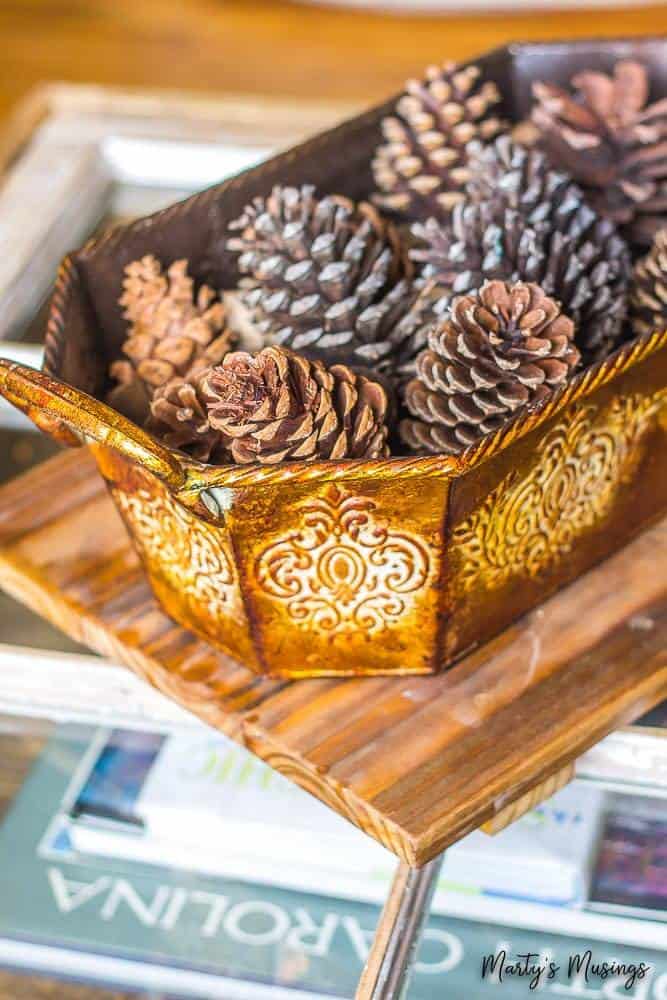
[(415, 762), (14, 986), (266, 47), (18, 753), (540, 793)]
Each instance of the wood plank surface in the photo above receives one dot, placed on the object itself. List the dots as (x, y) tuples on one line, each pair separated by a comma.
[(18, 751), (415, 762), (14, 986), (268, 47)]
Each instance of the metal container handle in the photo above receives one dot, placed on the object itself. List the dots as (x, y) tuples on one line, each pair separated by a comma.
[(50, 403)]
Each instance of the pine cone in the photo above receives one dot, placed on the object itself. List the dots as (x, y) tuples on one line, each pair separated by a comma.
[(523, 221), (179, 417), (648, 298), (422, 168), (612, 142), (523, 179), (277, 406), (323, 276), (499, 349), (173, 332)]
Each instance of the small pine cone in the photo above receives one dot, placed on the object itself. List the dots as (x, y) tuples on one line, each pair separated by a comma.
[(499, 349), (422, 167), (178, 416), (277, 406), (318, 271), (523, 221), (612, 142), (648, 296), (173, 332)]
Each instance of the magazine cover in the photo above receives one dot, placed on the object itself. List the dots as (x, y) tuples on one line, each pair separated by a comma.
[(196, 798), (180, 931), (631, 868)]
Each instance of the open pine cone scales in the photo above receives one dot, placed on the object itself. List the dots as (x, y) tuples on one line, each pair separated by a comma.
[(318, 275), (421, 168), (522, 220), (648, 300), (179, 417), (499, 349), (524, 180), (173, 331), (612, 142), (277, 406)]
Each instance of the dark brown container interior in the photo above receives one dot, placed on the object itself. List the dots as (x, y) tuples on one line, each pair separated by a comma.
[(335, 161)]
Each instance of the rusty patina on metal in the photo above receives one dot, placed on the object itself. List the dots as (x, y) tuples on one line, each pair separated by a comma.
[(396, 566)]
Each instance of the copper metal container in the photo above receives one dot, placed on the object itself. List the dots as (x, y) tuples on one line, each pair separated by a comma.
[(361, 567)]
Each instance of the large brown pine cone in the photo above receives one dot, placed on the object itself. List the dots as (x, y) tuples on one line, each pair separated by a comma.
[(523, 221), (174, 332), (179, 417), (499, 349), (613, 142), (648, 298), (422, 167), (277, 406), (323, 277)]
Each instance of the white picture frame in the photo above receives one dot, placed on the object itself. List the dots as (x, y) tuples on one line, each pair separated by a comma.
[(73, 154)]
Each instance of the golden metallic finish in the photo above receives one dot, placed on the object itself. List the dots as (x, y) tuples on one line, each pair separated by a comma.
[(529, 523), (343, 570), (393, 566)]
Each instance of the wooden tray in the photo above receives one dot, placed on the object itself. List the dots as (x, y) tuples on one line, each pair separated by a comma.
[(416, 763)]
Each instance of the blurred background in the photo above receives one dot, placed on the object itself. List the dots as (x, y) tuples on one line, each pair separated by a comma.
[(360, 52)]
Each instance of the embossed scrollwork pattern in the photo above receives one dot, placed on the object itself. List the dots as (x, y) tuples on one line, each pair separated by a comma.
[(343, 569), (177, 547), (526, 525)]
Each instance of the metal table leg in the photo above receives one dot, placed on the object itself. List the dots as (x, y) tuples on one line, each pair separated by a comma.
[(387, 971)]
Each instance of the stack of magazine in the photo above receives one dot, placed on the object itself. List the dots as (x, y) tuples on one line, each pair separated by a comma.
[(181, 864)]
